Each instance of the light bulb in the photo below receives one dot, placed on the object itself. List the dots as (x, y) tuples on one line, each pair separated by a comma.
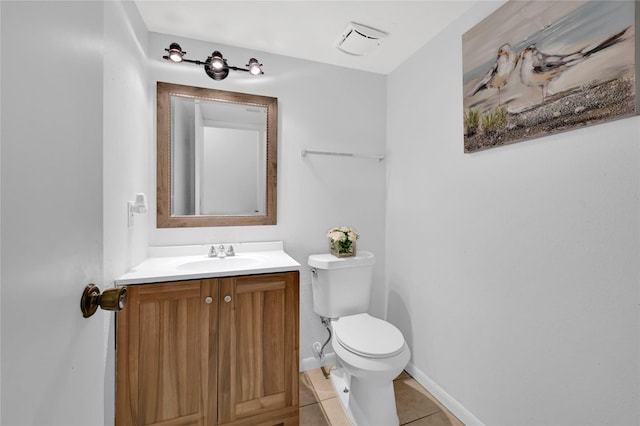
[(175, 52), (254, 66), (217, 61)]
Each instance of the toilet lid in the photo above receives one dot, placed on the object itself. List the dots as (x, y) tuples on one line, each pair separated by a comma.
[(367, 336)]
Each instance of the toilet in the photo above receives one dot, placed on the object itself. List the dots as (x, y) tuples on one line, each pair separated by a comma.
[(370, 352)]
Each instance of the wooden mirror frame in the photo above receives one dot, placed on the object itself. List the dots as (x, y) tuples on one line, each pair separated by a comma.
[(164, 217)]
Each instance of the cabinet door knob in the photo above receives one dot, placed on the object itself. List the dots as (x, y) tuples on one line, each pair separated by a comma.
[(227, 299), (208, 300)]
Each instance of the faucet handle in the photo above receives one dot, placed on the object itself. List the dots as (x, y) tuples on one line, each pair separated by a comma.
[(230, 251), (212, 251)]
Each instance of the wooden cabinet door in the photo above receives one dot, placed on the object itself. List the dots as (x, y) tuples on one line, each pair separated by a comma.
[(166, 346), (258, 351)]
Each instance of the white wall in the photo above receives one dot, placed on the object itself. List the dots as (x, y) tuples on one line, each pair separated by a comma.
[(128, 135), (127, 140), (320, 107), (517, 282)]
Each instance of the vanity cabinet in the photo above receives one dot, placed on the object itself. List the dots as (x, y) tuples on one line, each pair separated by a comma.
[(218, 351)]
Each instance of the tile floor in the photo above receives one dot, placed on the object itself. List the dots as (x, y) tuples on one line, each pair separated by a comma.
[(319, 405)]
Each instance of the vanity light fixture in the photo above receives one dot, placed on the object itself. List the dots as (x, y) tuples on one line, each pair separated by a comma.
[(215, 65)]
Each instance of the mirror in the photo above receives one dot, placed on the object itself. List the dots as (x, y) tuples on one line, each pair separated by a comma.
[(217, 157)]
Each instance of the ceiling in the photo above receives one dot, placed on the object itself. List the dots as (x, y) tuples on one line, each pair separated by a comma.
[(306, 29)]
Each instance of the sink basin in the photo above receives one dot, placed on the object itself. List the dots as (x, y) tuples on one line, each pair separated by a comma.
[(220, 264), (178, 263)]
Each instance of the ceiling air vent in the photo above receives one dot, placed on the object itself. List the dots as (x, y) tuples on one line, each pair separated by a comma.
[(359, 39)]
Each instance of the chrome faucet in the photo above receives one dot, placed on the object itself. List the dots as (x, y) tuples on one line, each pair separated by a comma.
[(221, 252)]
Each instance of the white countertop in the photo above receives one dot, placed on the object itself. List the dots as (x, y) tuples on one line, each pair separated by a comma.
[(176, 263)]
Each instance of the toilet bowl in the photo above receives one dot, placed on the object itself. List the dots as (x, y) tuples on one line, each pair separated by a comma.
[(372, 353)]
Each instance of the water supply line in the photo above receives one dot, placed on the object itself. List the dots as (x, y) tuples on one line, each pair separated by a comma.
[(327, 324), (319, 349)]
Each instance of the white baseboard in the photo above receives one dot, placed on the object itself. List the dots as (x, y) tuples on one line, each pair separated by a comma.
[(464, 415), (312, 363)]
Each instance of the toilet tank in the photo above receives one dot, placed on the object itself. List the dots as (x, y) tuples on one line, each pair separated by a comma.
[(341, 286)]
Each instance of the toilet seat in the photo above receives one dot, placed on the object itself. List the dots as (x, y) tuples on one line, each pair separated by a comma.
[(369, 337)]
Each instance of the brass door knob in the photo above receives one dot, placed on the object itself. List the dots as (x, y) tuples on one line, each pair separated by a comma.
[(112, 299)]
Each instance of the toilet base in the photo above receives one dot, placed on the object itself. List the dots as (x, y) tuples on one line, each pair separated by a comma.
[(365, 403), (340, 381)]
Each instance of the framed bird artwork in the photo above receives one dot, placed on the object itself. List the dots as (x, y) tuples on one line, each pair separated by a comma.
[(535, 68)]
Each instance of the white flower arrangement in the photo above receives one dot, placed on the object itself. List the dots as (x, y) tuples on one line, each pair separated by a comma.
[(342, 240)]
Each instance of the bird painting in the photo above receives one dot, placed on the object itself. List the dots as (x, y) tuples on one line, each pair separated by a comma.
[(498, 76), (559, 65), (539, 68)]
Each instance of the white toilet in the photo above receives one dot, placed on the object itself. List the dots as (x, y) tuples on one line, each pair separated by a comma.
[(370, 352)]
